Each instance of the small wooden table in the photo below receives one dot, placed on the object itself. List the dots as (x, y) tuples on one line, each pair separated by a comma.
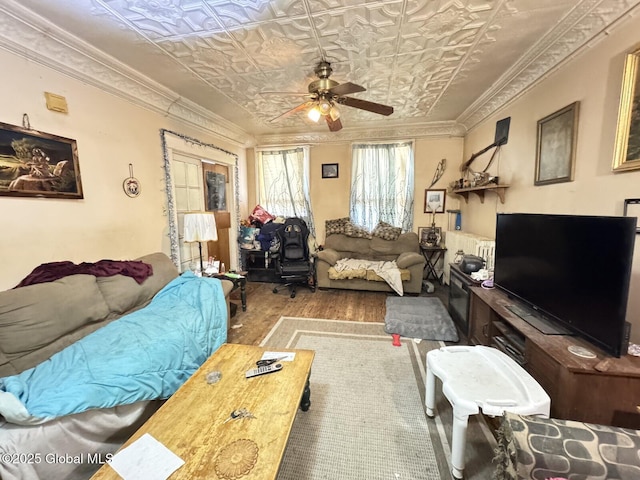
[(192, 422), (239, 279)]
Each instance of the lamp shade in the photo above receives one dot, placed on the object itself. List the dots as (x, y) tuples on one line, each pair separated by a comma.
[(200, 227)]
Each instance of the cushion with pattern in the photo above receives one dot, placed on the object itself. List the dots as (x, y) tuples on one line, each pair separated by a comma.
[(336, 226), (352, 230), (386, 231)]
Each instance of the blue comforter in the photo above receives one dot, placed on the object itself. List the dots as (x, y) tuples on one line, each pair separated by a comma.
[(145, 355)]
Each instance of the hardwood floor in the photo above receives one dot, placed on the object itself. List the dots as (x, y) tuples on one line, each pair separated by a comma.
[(264, 308)]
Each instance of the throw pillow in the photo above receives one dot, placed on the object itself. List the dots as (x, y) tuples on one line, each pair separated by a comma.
[(386, 231), (336, 226), (351, 230), (259, 214)]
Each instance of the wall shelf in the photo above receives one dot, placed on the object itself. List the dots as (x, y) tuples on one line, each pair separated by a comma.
[(479, 191)]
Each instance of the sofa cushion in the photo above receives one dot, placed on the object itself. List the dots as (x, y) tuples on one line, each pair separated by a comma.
[(123, 293), (329, 255), (408, 259), (351, 247), (36, 315), (347, 274), (407, 242), (405, 276), (554, 447), (353, 230), (386, 231), (336, 226)]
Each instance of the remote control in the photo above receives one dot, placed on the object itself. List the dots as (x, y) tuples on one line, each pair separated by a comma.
[(262, 370)]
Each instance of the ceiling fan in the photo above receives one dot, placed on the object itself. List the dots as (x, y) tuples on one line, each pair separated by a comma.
[(325, 95)]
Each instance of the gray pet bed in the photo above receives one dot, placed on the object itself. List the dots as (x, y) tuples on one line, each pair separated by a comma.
[(419, 317)]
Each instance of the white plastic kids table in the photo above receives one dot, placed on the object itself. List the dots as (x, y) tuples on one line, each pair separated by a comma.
[(478, 377)]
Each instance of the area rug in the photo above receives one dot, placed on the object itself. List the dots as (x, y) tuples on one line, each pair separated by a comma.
[(367, 420), (419, 317)]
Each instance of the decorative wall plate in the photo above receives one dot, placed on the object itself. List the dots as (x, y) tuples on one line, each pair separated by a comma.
[(131, 185)]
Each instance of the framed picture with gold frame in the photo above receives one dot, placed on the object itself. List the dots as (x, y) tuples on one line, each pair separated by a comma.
[(626, 154)]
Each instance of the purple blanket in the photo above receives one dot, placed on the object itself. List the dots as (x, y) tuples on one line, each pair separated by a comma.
[(48, 272)]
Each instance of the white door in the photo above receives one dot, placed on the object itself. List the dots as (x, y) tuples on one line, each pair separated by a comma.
[(189, 197)]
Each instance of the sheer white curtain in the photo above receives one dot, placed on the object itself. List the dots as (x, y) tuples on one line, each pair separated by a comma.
[(382, 184), (283, 183)]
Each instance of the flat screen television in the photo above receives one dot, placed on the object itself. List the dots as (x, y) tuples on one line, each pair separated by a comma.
[(570, 271)]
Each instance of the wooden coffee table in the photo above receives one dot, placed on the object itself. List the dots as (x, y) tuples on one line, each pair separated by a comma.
[(192, 422)]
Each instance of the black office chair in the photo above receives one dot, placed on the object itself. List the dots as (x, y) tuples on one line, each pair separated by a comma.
[(293, 262)]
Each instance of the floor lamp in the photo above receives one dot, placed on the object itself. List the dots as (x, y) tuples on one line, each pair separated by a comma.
[(200, 227)]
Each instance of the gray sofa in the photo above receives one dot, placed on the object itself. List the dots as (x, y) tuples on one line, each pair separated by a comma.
[(405, 250), (39, 320)]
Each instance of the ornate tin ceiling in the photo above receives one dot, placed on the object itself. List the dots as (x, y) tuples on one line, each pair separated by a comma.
[(444, 65)]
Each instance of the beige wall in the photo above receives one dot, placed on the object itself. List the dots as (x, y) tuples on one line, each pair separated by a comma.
[(594, 79), (330, 196), (110, 134)]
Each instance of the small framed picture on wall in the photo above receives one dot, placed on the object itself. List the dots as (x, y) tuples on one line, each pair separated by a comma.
[(434, 200), (329, 170)]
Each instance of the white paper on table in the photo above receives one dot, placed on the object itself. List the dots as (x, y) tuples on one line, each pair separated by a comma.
[(145, 459), (288, 356)]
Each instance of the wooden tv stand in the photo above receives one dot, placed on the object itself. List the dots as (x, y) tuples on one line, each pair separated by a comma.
[(603, 390)]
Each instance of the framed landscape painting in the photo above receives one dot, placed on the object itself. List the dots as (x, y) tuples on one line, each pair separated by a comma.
[(556, 146), (37, 164)]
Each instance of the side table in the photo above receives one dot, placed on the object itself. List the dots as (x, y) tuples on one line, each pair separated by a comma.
[(239, 279), (432, 255)]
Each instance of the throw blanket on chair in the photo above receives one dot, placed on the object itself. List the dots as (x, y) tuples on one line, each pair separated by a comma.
[(145, 355), (387, 270)]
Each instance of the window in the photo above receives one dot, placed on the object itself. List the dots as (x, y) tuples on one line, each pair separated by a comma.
[(382, 185), (283, 183)]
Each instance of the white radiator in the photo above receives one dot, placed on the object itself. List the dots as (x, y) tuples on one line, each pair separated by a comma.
[(470, 244)]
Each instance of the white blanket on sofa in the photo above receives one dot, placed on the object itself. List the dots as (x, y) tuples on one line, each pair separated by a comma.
[(389, 271)]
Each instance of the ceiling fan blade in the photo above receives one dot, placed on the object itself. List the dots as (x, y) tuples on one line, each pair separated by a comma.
[(334, 125), (365, 105), (347, 88), (302, 106)]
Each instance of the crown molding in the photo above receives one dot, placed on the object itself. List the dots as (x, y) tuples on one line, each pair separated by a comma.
[(348, 135), (580, 30), (32, 37)]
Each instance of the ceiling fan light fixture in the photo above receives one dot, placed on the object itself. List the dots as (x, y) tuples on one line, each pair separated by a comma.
[(314, 113), (326, 96), (334, 113), (324, 106)]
